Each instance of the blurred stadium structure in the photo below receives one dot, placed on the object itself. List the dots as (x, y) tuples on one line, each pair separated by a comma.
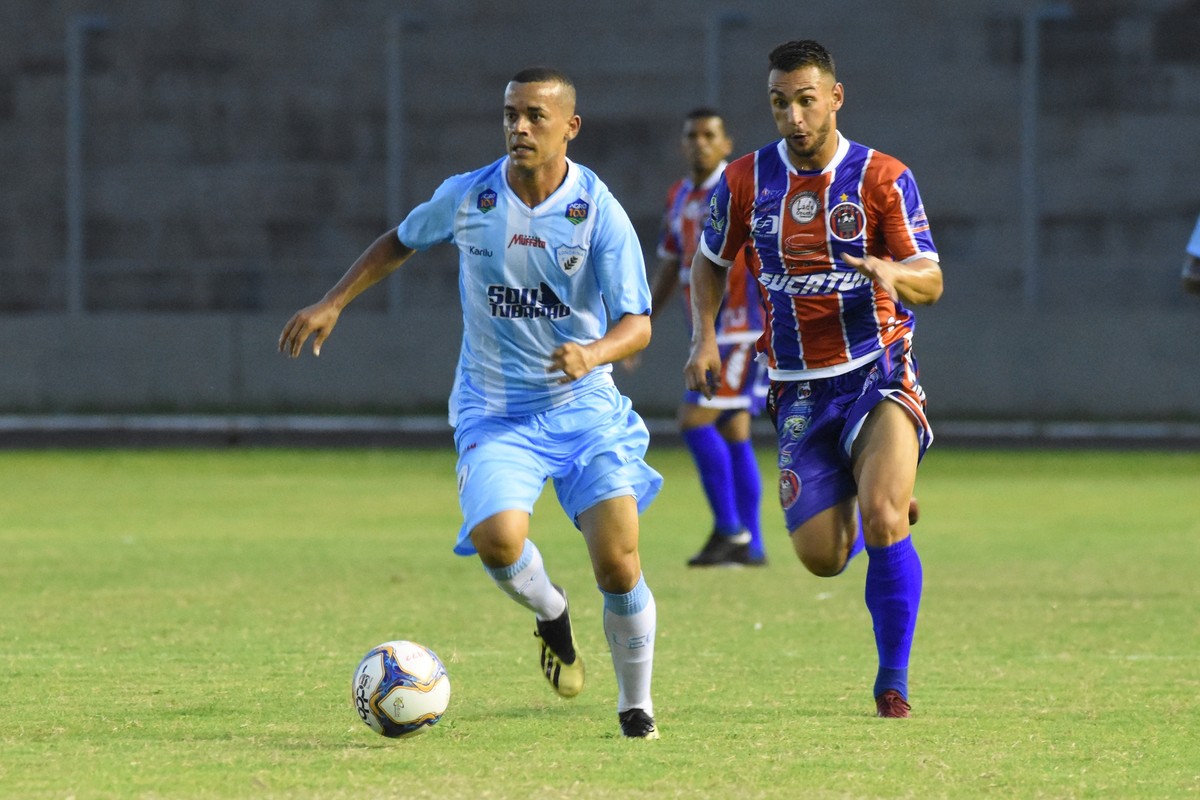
[(176, 178)]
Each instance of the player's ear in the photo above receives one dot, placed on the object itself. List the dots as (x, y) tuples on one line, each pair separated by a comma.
[(573, 127), (839, 95)]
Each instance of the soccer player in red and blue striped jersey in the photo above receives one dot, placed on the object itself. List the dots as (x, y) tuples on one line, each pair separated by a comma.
[(716, 429), (841, 246)]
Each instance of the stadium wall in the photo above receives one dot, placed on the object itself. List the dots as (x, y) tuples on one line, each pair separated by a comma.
[(1040, 366), (236, 161)]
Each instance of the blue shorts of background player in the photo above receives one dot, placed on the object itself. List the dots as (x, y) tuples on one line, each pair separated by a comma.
[(593, 449)]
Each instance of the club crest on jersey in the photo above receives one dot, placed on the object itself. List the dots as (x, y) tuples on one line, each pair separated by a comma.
[(570, 259), (847, 221), (789, 488), (486, 201), (804, 207), (577, 212)]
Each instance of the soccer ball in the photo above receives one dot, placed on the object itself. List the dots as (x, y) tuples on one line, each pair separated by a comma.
[(400, 689)]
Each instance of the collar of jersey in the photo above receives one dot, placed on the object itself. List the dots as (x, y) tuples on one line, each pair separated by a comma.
[(547, 204), (842, 148), (711, 180)]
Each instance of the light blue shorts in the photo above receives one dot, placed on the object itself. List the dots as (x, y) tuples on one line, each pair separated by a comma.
[(593, 448)]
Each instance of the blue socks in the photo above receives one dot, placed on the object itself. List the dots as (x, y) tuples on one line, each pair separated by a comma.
[(747, 487), (716, 475), (893, 595)]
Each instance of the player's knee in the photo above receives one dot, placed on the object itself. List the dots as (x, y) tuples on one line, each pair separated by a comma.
[(884, 522), (824, 562), (496, 546), (617, 575)]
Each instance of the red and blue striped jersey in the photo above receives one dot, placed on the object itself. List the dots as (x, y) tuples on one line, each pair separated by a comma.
[(823, 317), (741, 316)]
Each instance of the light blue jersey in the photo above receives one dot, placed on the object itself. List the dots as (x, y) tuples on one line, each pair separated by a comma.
[(530, 280)]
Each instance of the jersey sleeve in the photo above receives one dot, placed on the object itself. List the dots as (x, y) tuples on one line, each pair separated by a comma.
[(618, 262), (726, 229), (669, 246), (904, 225), (432, 222)]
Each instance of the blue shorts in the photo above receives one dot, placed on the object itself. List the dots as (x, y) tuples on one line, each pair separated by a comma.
[(593, 448), (741, 386), (817, 421)]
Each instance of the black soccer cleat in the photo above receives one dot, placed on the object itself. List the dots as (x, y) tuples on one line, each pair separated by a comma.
[(637, 724), (726, 551)]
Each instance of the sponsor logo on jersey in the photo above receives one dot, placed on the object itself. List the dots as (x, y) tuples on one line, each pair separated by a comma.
[(577, 212), (512, 302), (479, 251), (816, 283), (766, 225), (847, 221), (804, 207), (789, 488), (526, 241), (570, 259), (486, 201), (803, 246)]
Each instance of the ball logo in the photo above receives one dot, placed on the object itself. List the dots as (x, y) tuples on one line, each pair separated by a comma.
[(847, 221), (789, 488), (804, 207)]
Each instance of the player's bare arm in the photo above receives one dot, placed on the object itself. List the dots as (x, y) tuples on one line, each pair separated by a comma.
[(917, 282), (708, 290), (629, 335), (377, 262)]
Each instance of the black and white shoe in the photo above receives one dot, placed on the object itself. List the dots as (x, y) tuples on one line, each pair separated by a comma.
[(559, 657), (637, 724), (726, 551)]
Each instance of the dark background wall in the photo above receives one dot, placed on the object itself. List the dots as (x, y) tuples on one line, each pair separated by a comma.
[(236, 161)]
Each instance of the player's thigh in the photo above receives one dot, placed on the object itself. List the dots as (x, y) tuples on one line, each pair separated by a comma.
[(884, 456), (599, 444), (735, 426), (823, 541), (610, 529), (693, 415), (498, 471)]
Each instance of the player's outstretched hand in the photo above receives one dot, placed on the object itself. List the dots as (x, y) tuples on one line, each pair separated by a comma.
[(702, 368), (317, 319), (878, 270), (573, 359)]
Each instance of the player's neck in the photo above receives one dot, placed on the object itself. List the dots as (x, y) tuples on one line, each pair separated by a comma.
[(699, 176), (535, 185)]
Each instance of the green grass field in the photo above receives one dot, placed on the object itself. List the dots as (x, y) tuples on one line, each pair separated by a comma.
[(184, 624)]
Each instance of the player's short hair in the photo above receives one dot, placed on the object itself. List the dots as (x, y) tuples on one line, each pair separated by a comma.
[(704, 112), (543, 75), (791, 56)]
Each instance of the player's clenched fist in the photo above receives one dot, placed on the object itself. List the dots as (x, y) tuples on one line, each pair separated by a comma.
[(573, 359), (702, 367), (318, 319)]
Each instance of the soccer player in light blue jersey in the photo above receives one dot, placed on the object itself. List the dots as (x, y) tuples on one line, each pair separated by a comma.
[(553, 290)]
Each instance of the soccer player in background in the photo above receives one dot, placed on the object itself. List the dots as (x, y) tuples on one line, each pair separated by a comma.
[(1191, 262), (553, 288), (716, 429), (842, 246)]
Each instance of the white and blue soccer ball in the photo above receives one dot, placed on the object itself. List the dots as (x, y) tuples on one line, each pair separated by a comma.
[(400, 689)]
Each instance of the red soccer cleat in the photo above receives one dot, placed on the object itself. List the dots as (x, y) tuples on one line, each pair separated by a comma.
[(892, 704)]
